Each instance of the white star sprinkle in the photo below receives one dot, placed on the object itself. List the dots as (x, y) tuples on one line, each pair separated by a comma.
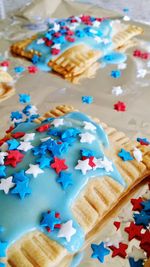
[(28, 137), (34, 170), (33, 110), (87, 138), (96, 23), (126, 18), (74, 25), (25, 146), (40, 41), (114, 239), (67, 230), (57, 46), (103, 164), (56, 27), (2, 156), (89, 126), (137, 154), (45, 139), (122, 66), (58, 122), (141, 73), (83, 165), (6, 184), (117, 90), (137, 253)]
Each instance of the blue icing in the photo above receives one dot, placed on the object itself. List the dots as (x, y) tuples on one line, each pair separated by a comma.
[(21, 216), (83, 34)]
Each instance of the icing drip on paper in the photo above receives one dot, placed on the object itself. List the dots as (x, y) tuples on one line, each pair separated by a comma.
[(21, 216)]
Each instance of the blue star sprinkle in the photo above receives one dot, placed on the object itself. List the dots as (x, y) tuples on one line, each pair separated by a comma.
[(116, 73), (19, 69), (50, 220), (99, 251), (24, 98), (65, 179), (87, 99), (39, 150), (142, 218), (12, 144), (146, 205), (70, 134), (44, 161), (2, 171), (125, 155), (87, 152), (20, 177), (22, 189), (35, 59), (3, 247), (143, 140), (80, 33), (16, 115), (134, 263)]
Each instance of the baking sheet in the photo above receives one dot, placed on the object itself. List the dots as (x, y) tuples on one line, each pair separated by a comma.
[(48, 90)]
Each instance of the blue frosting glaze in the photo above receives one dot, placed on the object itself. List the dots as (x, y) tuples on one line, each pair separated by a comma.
[(47, 194), (83, 34)]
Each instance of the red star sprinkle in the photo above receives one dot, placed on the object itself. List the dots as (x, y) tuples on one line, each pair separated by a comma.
[(136, 203), (121, 251), (55, 51), (120, 106), (69, 32), (134, 231), (18, 135), (57, 34), (59, 165), (13, 158), (117, 225), (32, 69), (5, 63), (48, 42), (43, 128), (137, 53), (145, 242), (10, 129), (70, 39)]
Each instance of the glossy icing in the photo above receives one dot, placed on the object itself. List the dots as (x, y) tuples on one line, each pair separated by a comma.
[(94, 32), (21, 216)]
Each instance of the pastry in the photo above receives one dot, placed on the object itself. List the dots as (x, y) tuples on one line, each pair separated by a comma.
[(72, 47), (59, 177), (6, 88)]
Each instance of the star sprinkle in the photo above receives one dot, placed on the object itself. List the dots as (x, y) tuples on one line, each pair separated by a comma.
[(142, 218), (12, 144), (34, 170), (83, 166), (141, 73), (3, 247), (20, 177), (114, 239), (25, 146), (22, 189), (87, 99), (117, 90), (58, 122), (120, 106), (99, 251), (134, 231), (125, 155), (134, 263), (18, 135), (67, 230), (137, 153), (137, 203), (13, 158), (87, 138), (143, 141), (50, 220), (116, 74), (120, 251), (32, 69), (43, 128), (89, 126), (28, 137), (146, 206), (6, 184), (2, 171), (24, 98), (16, 115), (104, 164), (19, 69), (44, 162), (122, 66), (59, 165), (137, 254), (65, 180)]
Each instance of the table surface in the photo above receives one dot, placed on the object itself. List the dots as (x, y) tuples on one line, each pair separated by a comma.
[(135, 6)]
